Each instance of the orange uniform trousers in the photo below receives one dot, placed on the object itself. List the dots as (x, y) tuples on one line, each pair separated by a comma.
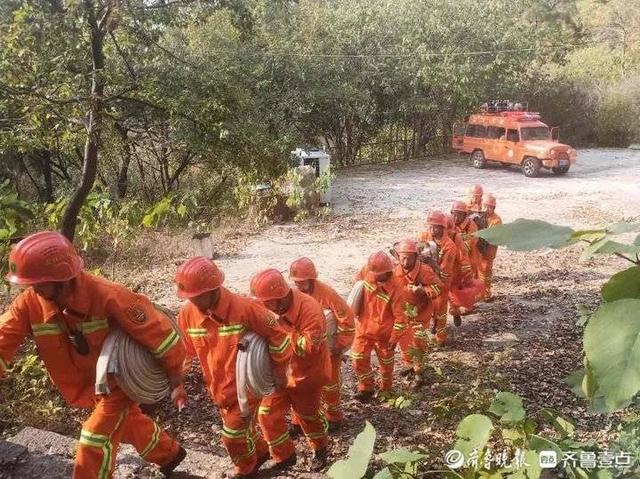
[(486, 273), (241, 438), (331, 392), (116, 419), (361, 355), (304, 404), (413, 345), (440, 305)]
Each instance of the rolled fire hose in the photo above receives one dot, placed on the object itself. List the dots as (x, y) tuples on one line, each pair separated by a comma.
[(254, 372), (332, 328), (355, 298), (136, 371)]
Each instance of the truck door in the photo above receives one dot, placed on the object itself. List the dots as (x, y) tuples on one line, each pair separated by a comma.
[(457, 140)]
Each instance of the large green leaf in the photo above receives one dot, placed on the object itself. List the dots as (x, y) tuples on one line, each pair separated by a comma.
[(508, 407), (623, 227), (401, 455), (384, 474), (359, 455), (607, 246), (612, 347), (562, 426), (473, 433), (624, 284), (527, 235)]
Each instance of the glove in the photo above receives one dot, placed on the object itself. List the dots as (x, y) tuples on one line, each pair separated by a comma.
[(179, 396)]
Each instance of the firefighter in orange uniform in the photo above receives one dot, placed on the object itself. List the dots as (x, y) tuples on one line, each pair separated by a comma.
[(475, 199), (380, 325), (448, 261), (213, 321), (463, 271), (69, 313), (422, 287), (490, 251), (466, 227), (309, 371), (303, 273)]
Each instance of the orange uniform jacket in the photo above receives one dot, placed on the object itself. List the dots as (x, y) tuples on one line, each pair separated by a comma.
[(310, 365), (448, 257), (382, 317), (96, 307), (491, 251), (214, 339), (421, 275), (330, 299)]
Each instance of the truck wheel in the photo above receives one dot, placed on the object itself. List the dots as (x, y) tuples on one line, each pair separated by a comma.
[(478, 160), (560, 170), (531, 167)]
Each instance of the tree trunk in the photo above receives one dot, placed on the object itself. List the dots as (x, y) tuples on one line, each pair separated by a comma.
[(45, 156), (92, 143), (123, 168)]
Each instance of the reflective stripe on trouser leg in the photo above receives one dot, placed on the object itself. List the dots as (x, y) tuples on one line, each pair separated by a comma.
[(241, 439), (385, 357), (100, 436), (420, 345), (148, 438), (272, 419), (306, 406), (361, 356), (331, 392), (406, 344)]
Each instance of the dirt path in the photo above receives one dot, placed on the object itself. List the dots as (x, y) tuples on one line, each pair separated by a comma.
[(525, 342)]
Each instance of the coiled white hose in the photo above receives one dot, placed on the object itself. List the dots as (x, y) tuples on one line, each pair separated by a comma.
[(136, 371), (254, 371), (355, 298)]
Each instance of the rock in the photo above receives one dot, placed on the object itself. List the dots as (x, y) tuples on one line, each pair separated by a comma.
[(38, 454)]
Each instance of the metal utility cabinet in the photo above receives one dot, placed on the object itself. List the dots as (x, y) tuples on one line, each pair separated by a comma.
[(318, 159)]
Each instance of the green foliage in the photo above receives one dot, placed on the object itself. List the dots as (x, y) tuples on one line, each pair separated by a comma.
[(14, 214), (359, 455), (527, 235), (175, 207), (611, 340), (102, 221), (473, 433), (508, 407), (624, 284), (610, 378), (27, 389)]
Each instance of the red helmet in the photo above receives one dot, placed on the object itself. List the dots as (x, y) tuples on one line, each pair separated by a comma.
[(196, 276), (379, 263), (437, 218), (406, 246), (490, 200), (302, 269), (459, 206), (476, 190), (269, 284), (43, 257)]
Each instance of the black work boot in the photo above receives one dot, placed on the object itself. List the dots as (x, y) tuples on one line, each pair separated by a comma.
[(295, 431), (286, 464), (167, 469), (457, 320), (334, 426), (406, 372), (259, 462), (363, 396), (319, 460)]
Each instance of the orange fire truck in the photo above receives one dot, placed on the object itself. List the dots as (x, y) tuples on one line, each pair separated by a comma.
[(505, 132)]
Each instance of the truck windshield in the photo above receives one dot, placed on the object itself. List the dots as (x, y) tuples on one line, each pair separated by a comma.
[(535, 133)]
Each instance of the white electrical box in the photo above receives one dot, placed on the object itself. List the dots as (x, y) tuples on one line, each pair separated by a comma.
[(318, 159)]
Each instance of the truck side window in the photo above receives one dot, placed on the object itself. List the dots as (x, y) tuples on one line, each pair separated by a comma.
[(512, 135), (495, 132), (476, 131)]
